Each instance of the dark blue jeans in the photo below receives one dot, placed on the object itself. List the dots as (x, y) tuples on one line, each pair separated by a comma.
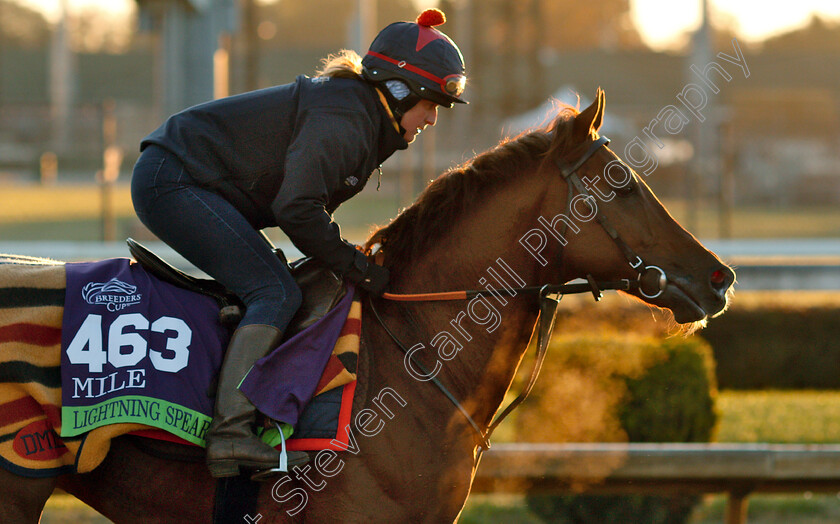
[(209, 232)]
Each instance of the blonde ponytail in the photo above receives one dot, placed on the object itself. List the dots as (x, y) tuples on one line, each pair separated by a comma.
[(344, 64)]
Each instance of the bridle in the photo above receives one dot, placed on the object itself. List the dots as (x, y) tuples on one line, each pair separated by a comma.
[(569, 173), (547, 303)]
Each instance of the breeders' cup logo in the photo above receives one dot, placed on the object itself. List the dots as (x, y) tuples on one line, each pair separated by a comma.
[(114, 294)]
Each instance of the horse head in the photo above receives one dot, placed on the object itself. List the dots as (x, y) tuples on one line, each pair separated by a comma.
[(575, 207), (611, 225)]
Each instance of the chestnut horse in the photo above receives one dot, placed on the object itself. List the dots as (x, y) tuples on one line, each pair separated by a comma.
[(550, 206)]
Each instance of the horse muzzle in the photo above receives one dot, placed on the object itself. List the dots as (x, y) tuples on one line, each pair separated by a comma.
[(690, 298)]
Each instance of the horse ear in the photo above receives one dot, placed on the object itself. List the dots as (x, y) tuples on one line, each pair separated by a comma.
[(601, 97), (591, 118)]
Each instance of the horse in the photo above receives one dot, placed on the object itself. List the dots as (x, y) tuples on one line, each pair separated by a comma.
[(549, 206)]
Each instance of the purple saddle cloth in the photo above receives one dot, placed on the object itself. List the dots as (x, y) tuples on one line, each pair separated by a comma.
[(137, 349)]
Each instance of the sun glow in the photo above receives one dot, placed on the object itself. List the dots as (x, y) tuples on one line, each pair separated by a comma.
[(52, 8), (665, 24)]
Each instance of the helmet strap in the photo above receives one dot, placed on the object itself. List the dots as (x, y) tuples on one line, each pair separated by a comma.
[(399, 107), (399, 129)]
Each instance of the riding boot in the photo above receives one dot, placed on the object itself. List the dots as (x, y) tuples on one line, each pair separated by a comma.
[(231, 441)]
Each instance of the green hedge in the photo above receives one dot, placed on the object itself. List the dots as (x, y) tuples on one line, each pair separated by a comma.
[(767, 339), (777, 345), (614, 388)]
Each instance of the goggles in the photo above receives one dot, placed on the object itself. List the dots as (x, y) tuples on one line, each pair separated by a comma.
[(453, 85)]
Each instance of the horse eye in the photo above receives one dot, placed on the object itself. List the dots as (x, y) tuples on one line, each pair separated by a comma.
[(627, 189), (618, 173)]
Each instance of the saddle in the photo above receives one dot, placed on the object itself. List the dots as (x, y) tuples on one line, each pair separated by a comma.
[(321, 287)]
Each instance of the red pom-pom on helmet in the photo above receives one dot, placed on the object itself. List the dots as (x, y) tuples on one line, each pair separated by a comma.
[(431, 18)]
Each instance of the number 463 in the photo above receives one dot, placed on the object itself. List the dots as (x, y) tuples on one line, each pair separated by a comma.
[(90, 336)]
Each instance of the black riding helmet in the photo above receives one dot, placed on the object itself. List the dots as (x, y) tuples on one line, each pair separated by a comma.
[(422, 58)]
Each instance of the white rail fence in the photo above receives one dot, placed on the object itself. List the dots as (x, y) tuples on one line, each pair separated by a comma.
[(794, 264), (658, 469)]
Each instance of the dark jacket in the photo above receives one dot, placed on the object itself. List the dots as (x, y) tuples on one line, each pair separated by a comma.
[(288, 155)]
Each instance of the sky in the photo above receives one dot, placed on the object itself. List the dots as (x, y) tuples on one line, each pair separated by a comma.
[(662, 23)]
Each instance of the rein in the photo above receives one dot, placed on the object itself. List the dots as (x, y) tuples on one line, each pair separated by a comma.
[(547, 304), (548, 312), (556, 289)]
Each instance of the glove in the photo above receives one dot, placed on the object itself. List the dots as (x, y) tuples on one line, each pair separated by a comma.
[(370, 277), (375, 279)]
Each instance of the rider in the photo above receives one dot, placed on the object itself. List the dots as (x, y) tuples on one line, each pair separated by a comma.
[(215, 174)]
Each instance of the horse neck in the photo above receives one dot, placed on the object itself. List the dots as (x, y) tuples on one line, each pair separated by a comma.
[(481, 250)]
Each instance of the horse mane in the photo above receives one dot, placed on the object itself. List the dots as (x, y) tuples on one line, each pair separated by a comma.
[(450, 195)]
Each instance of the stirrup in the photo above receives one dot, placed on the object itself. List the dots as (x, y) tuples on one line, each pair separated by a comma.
[(283, 465)]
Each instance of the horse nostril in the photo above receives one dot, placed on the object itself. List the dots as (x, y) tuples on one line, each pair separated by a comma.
[(721, 279)]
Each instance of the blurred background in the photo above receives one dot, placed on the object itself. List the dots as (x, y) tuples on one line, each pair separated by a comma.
[(754, 173), (82, 81)]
